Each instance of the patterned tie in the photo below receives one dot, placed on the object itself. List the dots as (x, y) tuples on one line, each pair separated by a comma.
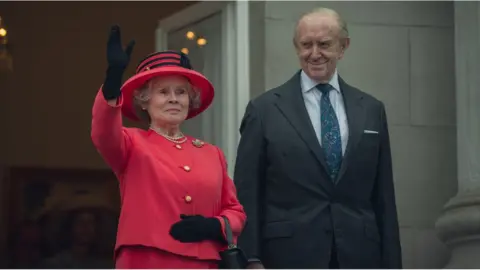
[(331, 139)]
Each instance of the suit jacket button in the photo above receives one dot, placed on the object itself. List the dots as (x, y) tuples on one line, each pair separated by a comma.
[(186, 168), (188, 199), (178, 146)]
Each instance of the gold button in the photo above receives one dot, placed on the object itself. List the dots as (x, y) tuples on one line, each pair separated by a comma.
[(178, 146), (186, 168), (188, 198)]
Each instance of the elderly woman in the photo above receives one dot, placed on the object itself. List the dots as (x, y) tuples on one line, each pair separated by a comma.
[(175, 190)]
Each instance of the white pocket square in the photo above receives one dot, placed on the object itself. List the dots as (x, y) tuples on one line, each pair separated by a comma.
[(366, 131)]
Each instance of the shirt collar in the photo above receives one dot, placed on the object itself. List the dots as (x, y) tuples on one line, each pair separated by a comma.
[(308, 84)]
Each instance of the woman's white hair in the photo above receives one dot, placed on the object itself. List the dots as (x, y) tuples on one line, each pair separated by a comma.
[(141, 97)]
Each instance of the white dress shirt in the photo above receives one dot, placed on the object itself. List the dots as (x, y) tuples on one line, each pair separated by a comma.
[(312, 96)]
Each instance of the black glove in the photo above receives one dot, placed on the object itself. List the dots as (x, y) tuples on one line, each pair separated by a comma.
[(118, 60), (196, 229)]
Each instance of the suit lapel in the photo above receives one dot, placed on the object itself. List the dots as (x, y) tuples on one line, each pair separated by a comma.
[(292, 106), (353, 101)]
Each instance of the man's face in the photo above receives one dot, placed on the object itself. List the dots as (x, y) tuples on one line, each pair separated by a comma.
[(319, 46)]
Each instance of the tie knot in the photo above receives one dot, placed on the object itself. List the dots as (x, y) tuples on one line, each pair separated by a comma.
[(324, 87)]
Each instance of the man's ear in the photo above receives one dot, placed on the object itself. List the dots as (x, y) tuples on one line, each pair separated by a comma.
[(345, 44)]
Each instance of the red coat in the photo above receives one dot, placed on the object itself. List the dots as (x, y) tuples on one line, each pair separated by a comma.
[(158, 181)]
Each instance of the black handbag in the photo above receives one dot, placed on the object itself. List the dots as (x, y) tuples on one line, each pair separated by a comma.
[(233, 257)]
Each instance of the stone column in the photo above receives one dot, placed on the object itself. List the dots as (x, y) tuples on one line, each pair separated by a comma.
[(459, 225)]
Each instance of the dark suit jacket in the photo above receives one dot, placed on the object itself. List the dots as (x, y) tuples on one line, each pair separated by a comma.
[(295, 212)]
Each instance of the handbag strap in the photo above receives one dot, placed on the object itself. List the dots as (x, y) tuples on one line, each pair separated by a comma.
[(229, 233)]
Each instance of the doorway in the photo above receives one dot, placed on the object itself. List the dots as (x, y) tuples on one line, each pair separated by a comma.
[(202, 42), (215, 36)]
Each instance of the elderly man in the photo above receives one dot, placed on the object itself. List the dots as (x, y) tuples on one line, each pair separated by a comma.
[(314, 169)]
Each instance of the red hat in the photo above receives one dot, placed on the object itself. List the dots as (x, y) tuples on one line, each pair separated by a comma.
[(164, 64)]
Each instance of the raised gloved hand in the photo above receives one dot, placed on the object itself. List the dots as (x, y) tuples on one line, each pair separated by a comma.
[(197, 228), (118, 60)]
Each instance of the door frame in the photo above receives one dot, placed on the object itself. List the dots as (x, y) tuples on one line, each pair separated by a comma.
[(235, 62)]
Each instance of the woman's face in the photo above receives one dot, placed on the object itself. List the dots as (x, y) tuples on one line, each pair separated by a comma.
[(169, 100)]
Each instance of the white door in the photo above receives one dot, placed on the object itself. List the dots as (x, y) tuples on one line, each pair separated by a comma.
[(223, 57)]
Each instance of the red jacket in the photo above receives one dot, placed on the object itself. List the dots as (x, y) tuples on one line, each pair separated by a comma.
[(159, 181)]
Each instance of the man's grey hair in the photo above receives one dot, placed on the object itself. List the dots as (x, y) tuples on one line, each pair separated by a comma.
[(324, 11)]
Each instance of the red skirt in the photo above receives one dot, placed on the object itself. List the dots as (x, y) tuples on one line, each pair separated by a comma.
[(139, 257)]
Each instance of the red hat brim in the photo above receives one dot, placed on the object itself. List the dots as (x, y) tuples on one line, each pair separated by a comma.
[(197, 80)]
